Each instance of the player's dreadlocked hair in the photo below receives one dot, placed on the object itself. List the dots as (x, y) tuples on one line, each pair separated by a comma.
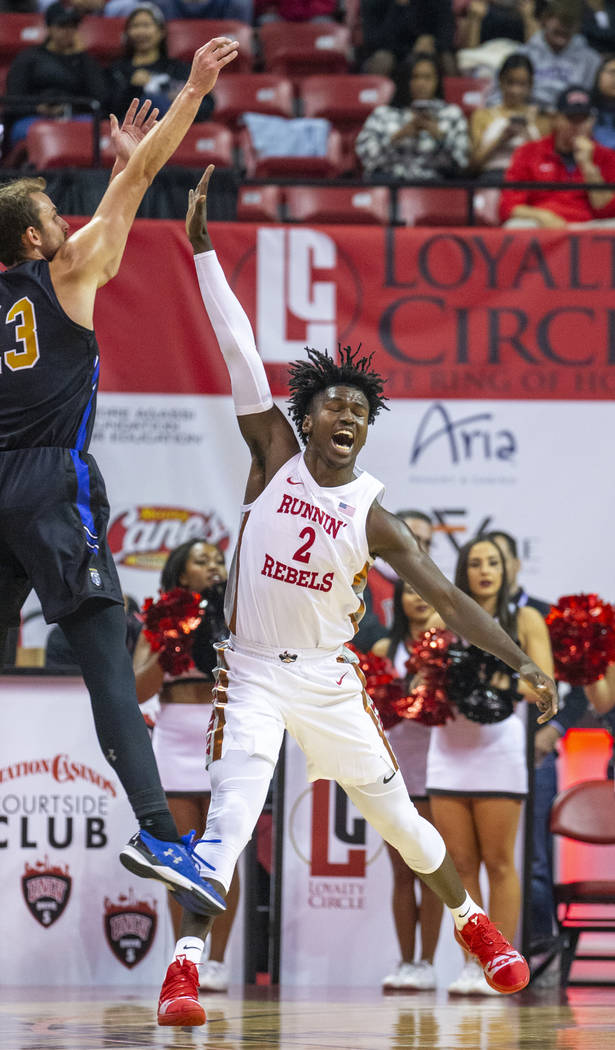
[(308, 378)]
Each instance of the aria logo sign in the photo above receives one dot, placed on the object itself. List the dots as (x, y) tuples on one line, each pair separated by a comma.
[(130, 927), (461, 439), (46, 891)]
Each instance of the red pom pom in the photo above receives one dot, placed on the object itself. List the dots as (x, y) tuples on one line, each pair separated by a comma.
[(427, 704), (381, 685), (582, 630), (168, 627), (429, 653)]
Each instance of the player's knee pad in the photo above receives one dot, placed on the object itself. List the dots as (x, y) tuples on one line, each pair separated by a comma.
[(239, 785), (391, 812)]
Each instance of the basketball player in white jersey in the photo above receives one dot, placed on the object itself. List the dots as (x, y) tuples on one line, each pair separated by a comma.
[(311, 525)]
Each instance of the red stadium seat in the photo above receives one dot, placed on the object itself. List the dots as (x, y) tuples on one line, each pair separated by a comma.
[(365, 204), (427, 206), (252, 93), (346, 100), (299, 49), (103, 37), (326, 167), (487, 207), (186, 35), (206, 143), (468, 92), (259, 203), (18, 32), (66, 144)]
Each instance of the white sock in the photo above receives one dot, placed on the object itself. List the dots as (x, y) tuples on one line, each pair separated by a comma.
[(190, 948), (465, 911)]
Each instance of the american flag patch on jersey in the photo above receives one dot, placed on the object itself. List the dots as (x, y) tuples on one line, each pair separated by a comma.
[(346, 509)]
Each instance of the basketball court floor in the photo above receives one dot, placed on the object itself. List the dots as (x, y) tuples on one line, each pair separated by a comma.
[(310, 1019)]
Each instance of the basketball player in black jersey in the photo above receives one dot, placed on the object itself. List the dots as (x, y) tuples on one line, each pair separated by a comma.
[(53, 505)]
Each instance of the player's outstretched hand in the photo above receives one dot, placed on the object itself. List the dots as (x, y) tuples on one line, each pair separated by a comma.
[(126, 137), (545, 690), (209, 61), (196, 216)]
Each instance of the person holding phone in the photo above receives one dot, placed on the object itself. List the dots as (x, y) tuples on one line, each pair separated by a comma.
[(496, 131), (418, 135)]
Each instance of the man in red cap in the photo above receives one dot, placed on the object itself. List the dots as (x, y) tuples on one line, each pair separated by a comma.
[(569, 154)]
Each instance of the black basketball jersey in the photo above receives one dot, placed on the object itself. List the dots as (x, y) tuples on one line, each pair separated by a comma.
[(48, 365)]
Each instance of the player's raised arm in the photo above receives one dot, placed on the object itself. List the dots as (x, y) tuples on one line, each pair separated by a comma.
[(92, 256), (392, 540), (265, 429)]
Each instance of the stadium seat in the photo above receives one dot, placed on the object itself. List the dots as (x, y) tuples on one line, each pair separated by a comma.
[(487, 207), (103, 37), (585, 813), (259, 203), (19, 31), (66, 144), (299, 49), (292, 167), (206, 143), (252, 93), (365, 204), (186, 35), (468, 92), (346, 100), (427, 206)]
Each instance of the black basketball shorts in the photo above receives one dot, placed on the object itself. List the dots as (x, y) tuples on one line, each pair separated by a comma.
[(53, 532)]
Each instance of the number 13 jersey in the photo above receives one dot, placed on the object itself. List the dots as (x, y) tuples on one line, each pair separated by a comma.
[(301, 562)]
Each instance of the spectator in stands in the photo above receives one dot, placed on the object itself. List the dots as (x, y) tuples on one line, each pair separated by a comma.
[(570, 154), (241, 10), (294, 11), (598, 25), (53, 74), (497, 131), (603, 99), (410, 742), (84, 7), (499, 20), (419, 135), (146, 71), (559, 54), (394, 28)]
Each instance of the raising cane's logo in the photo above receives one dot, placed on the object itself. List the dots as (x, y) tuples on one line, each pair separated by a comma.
[(141, 537), (46, 891), (130, 927)]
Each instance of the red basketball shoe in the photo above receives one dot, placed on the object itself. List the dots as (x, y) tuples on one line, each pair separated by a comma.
[(505, 969), (179, 997)]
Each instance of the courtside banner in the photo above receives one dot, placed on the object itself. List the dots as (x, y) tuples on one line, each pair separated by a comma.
[(450, 313)]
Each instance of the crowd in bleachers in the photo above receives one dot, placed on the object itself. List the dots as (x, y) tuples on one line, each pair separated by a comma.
[(374, 91)]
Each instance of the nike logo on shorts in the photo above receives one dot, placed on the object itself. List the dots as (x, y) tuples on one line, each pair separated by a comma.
[(385, 780), (340, 680)]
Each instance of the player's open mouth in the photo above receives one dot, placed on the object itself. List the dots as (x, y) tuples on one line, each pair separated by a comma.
[(343, 440)]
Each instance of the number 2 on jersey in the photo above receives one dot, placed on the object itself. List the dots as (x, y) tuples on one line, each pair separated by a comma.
[(309, 535), (25, 332)]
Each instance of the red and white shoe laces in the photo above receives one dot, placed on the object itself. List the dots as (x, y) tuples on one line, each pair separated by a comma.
[(504, 967)]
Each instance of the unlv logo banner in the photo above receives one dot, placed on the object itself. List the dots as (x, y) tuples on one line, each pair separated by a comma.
[(46, 891), (130, 927)]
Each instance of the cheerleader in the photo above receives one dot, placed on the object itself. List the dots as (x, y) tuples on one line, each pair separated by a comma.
[(477, 765)]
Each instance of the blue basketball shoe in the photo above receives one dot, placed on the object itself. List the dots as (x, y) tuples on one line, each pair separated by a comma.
[(177, 865)]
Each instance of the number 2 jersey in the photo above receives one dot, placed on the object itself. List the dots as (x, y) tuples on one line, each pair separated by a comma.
[(48, 365), (301, 562)]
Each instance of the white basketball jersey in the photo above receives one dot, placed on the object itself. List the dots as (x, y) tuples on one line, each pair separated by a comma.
[(301, 561)]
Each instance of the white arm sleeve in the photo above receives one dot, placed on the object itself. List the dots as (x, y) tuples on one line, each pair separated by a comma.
[(235, 337)]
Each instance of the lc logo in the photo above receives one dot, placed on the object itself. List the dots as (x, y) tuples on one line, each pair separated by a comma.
[(323, 801), (463, 439), (292, 307)]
